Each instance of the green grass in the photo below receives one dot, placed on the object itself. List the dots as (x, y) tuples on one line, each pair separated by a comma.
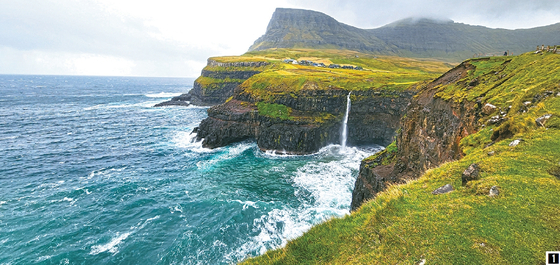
[(406, 223), (275, 111)]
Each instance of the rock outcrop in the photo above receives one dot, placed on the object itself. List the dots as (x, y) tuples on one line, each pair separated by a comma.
[(217, 82)]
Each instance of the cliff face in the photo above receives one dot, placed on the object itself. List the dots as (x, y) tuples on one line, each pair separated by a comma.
[(430, 135), (373, 118), (217, 82), (219, 79), (501, 96)]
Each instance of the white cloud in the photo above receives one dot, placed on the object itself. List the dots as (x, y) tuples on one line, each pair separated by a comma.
[(175, 37)]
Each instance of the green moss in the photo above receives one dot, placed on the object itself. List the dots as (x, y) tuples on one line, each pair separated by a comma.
[(275, 111), (383, 158)]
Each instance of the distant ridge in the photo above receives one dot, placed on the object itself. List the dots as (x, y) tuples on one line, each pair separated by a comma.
[(412, 37)]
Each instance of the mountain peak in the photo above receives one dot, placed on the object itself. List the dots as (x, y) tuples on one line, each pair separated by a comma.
[(421, 37)]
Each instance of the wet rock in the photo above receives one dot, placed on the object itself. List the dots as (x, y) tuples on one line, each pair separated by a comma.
[(182, 100), (443, 189), (488, 109), (494, 191), (471, 173), (540, 121)]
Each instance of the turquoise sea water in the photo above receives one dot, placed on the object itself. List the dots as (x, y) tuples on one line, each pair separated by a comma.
[(91, 173)]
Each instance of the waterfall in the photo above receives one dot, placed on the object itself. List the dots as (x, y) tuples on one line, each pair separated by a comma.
[(344, 136)]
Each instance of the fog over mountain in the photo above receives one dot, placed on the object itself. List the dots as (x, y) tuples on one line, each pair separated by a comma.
[(412, 37)]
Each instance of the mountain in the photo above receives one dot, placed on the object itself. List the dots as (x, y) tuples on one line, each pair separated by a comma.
[(296, 28), (420, 38)]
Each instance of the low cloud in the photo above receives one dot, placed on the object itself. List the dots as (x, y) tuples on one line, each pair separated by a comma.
[(495, 14)]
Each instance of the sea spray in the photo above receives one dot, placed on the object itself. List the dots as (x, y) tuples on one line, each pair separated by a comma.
[(344, 135)]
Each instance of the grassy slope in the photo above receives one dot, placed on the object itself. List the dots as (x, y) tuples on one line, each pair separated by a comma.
[(406, 223), (380, 73)]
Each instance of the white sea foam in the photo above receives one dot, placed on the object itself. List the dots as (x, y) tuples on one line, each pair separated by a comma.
[(329, 180), (42, 258), (225, 153), (163, 95), (247, 204), (110, 246), (187, 140), (104, 172), (118, 238), (146, 104)]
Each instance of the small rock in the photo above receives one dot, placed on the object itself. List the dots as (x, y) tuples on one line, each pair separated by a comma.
[(494, 191), (496, 119), (527, 103), (422, 262), (488, 108), (473, 82), (554, 171), (443, 189), (471, 173), (542, 119), (491, 153), (515, 142)]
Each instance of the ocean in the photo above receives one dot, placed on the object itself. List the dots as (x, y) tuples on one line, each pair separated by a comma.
[(92, 173)]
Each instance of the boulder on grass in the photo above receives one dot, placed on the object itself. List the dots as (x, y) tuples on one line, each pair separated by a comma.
[(443, 189), (471, 173)]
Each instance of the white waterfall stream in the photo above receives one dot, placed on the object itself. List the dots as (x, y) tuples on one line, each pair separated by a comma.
[(344, 135)]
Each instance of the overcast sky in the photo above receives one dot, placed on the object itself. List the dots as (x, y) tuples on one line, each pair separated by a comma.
[(175, 37)]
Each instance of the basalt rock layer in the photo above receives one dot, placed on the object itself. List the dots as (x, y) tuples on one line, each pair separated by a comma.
[(217, 82), (317, 120)]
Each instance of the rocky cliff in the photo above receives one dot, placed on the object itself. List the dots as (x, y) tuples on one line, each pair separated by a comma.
[(298, 108), (442, 114), (315, 120), (429, 136), (218, 80)]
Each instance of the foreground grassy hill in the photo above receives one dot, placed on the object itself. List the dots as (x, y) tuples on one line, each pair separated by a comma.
[(407, 224)]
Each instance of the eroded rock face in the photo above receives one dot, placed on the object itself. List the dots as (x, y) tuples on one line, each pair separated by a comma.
[(218, 92), (374, 118), (236, 120), (430, 134)]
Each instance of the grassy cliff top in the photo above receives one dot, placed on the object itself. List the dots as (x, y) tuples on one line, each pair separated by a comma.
[(387, 73), (407, 224)]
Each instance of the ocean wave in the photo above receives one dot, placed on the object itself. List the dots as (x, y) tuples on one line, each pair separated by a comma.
[(163, 95), (187, 140), (225, 153), (110, 246), (328, 180), (118, 238)]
